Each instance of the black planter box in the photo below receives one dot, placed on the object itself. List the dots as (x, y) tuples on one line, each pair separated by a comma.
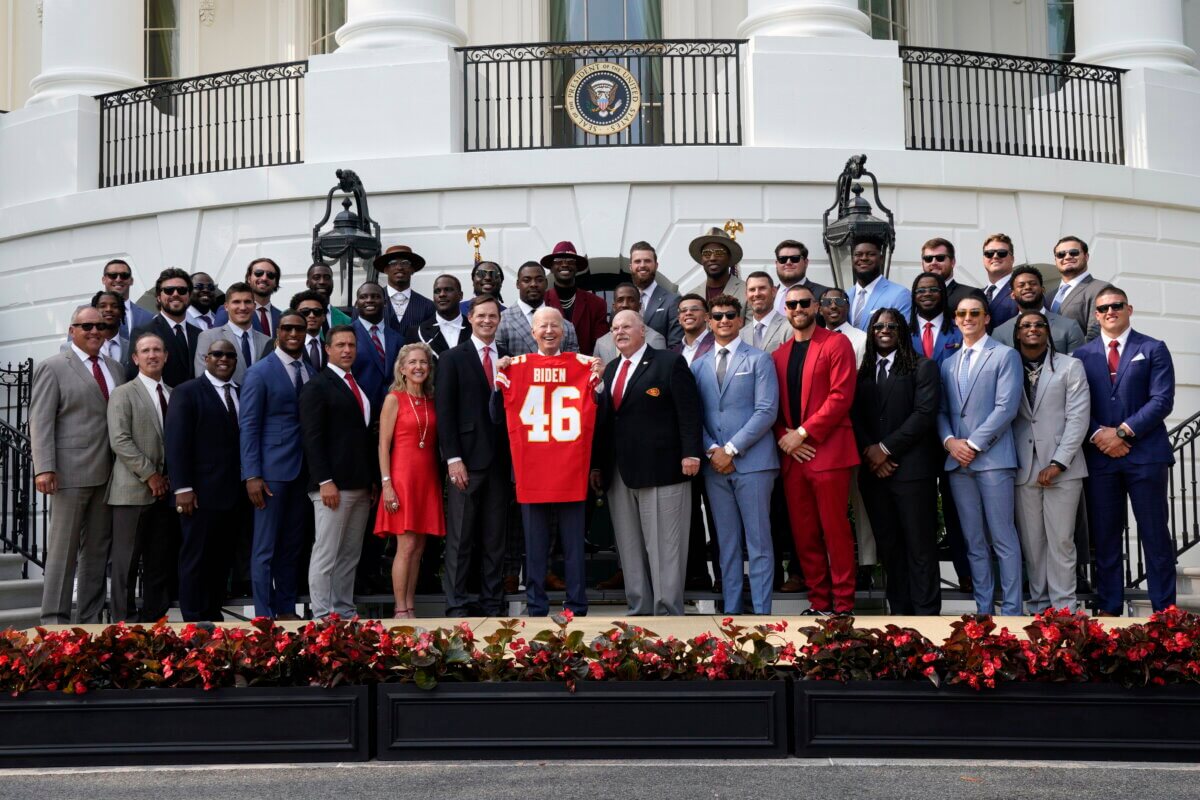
[(1092, 722), (623, 719), (185, 726)]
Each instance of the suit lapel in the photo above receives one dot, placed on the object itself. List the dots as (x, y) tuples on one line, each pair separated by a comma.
[(814, 351), (1048, 375), (147, 403), (84, 374), (1132, 348), (735, 361), (977, 369), (642, 368)]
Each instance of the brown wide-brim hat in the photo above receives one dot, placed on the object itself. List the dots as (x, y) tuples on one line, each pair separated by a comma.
[(393, 253), (716, 236), (564, 250)]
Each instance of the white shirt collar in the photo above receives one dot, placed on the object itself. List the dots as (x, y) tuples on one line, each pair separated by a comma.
[(1120, 340), (886, 360), (480, 344), (937, 324), (237, 331), (151, 386), (1076, 280), (218, 383), (699, 339), (309, 338), (731, 347), (84, 357), (453, 324), (172, 323), (1000, 284), (526, 310), (341, 373), (766, 320), (367, 325), (394, 293), (845, 328), (870, 287), (634, 359), (285, 358), (977, 348)]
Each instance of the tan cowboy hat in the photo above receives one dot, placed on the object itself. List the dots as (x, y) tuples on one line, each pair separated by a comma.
[(716, 236), (394, 253)]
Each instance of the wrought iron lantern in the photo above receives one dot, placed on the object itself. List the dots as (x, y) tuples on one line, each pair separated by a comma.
[(855, 223), (354, 237)]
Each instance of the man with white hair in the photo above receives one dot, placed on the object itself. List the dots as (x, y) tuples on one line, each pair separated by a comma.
[(647, 452)]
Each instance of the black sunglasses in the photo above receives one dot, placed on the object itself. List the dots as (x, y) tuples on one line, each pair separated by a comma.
[(222, 354), (119, 276), (258, 273), (292, 328), (790, 259), (1073, 253), (995, 254), (794, 304), (311, 312), (1104, 309), (487, 273), (885, 326), (720, 315), (103, 327), (940, 257), (927, 290), (175, 290), (830, 302), (203, 287), (1029, 326)]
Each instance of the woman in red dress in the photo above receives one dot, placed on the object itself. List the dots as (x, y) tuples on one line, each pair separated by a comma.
[(410, 507)]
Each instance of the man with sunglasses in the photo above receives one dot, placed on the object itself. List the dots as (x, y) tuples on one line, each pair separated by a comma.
[(937, 256), (981, 395), (718, 255), (834, 308), (249, 344), (998, 258), (68, 432), (273, 467), (486, 278), (112, 309), (262, 276), (203, 310), (1076, 295), (791, 266), (1132, 382), (871, 290), (172, 292), (1029, 295), (313, 306), (118, 277)]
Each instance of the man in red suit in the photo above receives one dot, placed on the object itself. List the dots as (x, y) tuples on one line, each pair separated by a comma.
[(817, 376), (586, 311)]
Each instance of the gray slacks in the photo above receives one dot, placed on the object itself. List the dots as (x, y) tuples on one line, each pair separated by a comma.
[(1046, 518), (338, 544), (651, 528), (77, 541), (867, 553)]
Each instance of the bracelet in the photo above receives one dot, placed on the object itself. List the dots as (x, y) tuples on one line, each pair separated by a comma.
[(386, 479)]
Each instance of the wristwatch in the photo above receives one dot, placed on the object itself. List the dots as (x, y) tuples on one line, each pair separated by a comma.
[(730, 450), (1124, 434)]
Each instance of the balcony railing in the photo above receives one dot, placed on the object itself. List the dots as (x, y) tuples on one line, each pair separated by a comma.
[(969, 102), (210, 123), (515, 96)]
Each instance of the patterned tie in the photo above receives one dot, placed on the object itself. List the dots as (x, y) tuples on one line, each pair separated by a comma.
[(927, 340), (1059, 296), (245, 337), (162, 403), (990, 292), (758, 334), (860, 300), (619, 387), (488, 370), (1114, 360), (378, 344), (264, 321), (99, 376), (964, 373), (722, 365), (299, 377), (357, 395), (230, 408)]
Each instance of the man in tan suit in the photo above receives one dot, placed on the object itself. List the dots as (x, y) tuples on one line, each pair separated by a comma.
[(144, 525), (71, 460)]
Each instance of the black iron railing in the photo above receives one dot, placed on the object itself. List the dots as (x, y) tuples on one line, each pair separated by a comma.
[(209, 123), (1010, 105), (16, 382), (23, 513), (514, 96)]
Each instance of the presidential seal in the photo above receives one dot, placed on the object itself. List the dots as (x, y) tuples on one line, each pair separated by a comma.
[(603, 98)]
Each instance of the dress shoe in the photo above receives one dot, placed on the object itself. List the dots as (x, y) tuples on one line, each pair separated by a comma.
[(553, 583), (512, 584), (865, 580), (966, 585), (793, 584), (617, 581), (1105, 614), (289, 618)]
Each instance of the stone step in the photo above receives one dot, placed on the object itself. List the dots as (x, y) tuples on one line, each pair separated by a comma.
[(21, 593), (20, 618), (1187, 602), (11, 565), (1187, 580)]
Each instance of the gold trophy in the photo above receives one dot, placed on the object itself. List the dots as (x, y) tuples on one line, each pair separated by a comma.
[(475, 236)]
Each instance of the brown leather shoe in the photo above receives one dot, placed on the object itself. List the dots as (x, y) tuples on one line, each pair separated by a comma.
[(617, 581), (554, 583), (793, 584), (512, 584), (1105, 614)]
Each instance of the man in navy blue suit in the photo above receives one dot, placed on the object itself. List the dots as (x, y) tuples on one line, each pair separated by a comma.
[(404, 309), (998, 258), (378, 345), (1132, 381), (273, 468)]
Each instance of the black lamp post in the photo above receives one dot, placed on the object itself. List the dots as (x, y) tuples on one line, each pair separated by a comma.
[(855, 223), (354, 237)]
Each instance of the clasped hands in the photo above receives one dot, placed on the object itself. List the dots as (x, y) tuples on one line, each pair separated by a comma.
[(879, 462), (1107, 442), (796, 445)]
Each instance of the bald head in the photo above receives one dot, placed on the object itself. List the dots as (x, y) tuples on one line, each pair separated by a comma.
[(628, 332)]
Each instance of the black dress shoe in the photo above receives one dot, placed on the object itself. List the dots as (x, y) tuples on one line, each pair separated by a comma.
[(865, 580)]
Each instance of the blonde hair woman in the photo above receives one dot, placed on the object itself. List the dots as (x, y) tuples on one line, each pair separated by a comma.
[(410, 506)]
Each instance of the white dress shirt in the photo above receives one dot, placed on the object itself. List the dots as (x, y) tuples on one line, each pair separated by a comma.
[(527, 310), (865, 291), (858, 340), (240, 334), (451, 328), (152, 390), (716, 354), (399, 300), (765, 322), (87, 364), (194, 313), (380, 329), (689, 350), (633, 360), (366, 402), (112, 349), (287, 366), (1000, 284), (220, 387)]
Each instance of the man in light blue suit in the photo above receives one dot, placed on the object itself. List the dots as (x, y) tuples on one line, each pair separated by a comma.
[(273, 468), (740, 396), (982, 386), (871, 290)]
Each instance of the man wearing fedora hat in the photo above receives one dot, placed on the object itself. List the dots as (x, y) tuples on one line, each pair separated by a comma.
[(718, 255), (586, 311), (404, 309)]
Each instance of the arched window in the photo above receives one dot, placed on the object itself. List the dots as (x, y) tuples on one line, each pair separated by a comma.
[(325, 17), (162, 40), (889, 18)]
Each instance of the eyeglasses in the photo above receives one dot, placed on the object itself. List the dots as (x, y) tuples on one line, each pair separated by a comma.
[(995, 254), (885, 326), (311, 312), (720, 315), (174, 290), (292, 328), (713, 252), (260, 273), (968, 312), (1104, 309), (1073, 253), (794, 304), (203, 287), (88, 327), (487, 273), (789, 259), (832, 302), (926, 290), (940, 257), (1032, 326), (119, 276), (691, 309), (222, 354)]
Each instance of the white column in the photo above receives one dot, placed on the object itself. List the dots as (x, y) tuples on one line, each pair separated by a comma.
[(840, 18), (1145, 33), (373, 24), (89, 48)]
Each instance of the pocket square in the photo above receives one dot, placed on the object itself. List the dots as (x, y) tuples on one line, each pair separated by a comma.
[(737, 374), (1138, 357)]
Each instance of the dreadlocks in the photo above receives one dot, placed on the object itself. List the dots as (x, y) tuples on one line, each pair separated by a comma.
[(905, 362), (1033, 312), (943, 299)]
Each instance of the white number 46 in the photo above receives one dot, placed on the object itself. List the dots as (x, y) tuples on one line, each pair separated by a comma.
[(562, 424)]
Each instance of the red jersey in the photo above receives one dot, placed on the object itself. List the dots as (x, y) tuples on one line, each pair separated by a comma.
[(550, 404)]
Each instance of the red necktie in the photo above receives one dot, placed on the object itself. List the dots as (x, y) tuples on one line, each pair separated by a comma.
[(357, 394), (99, 376), (619, 386), (1114, 360), (264, 321), (927, 340), (488, 370), (162, 403), (378, 344)]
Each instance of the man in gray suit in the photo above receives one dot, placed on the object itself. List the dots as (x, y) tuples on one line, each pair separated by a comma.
[(248, 342), (144, 526), (718, 255), (658, 305), (765, 329), (1049, 431), (1076, 295), (625, 298), (68, 429), (1029, 294), (981, 392), (515, 334)]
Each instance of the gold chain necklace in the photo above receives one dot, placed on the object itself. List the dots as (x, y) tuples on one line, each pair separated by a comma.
[(422, 429)]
